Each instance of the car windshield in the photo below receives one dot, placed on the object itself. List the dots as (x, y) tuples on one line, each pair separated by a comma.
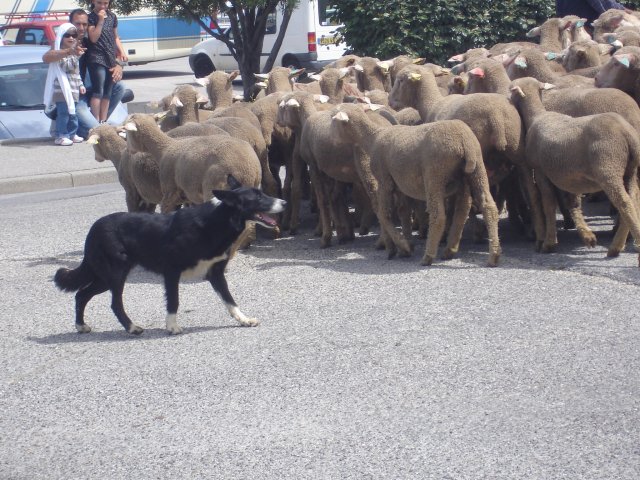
[(22, 86)]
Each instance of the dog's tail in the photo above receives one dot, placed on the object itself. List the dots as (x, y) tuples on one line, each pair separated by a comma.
[(73, 280)]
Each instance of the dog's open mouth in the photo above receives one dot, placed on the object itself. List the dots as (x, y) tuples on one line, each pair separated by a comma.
[(265, 220)]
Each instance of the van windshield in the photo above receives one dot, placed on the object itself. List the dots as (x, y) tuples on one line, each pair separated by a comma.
[(326, 14)]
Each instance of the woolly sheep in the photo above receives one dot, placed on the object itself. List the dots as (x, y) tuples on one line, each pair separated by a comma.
[(137, 172), (426, 162), (580, 155), (191, 167)]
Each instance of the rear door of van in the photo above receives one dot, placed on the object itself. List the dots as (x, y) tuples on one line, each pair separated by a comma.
[(325, 25)]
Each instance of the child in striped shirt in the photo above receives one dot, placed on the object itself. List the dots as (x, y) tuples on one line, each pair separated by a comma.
[(64, 86)]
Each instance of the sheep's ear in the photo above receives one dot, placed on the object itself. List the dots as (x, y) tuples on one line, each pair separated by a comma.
[(233, 75), (534, 32), (623, 60), (261, 76), (414, 77), (175, 102), (296, 72), (520, 61), (517, 90), (153, 104), (551, 55), (238, 98), (457, 58), (547, 86), (419, 61), (202, 99), (321, 98), (203, 81), (93, 139), (160, 115), (292, 102), (122, 134), (341, 116), (478, 72), (384, 66), (358, 67), (373, 106), (262, 85), (315, 76), (130, 126), (364, 99), (457, 69), (344, 71)]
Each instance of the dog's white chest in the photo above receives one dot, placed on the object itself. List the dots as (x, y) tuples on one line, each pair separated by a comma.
[(200, 270)]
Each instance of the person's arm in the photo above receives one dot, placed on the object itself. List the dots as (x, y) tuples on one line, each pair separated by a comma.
[(96, 30), (120, 54), (56, 55), (601, 6)]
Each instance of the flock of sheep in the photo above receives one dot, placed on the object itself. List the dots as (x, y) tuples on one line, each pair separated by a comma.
[(526, 126)]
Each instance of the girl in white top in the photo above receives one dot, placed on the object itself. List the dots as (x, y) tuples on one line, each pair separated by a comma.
[(64, 86)]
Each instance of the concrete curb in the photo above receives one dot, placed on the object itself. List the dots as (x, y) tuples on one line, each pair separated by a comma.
[(52, 181)]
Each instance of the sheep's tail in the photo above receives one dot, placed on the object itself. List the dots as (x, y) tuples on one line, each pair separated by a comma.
[(72, 280)]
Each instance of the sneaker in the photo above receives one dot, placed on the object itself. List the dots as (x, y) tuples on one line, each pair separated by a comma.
[(64, 141), (77, 139)]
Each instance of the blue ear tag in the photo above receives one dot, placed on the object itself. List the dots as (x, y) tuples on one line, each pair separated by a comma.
[(579, 24), (624, 61), (521, 62), (551, 55)]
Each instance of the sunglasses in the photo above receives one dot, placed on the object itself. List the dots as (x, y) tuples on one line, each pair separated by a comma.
[(70, 35)]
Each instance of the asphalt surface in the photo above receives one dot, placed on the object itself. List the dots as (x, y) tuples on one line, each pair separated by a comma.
[(362, 367)]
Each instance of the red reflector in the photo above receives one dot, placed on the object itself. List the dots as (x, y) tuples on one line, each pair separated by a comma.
[(311, 41)]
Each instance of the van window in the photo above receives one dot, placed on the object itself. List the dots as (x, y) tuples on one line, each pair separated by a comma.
[(325, 14)]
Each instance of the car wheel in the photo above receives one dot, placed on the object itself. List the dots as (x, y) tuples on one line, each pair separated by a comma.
[(202, 66)]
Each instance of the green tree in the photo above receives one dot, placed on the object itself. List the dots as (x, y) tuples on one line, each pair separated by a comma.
[(436, 29), (248, 19)]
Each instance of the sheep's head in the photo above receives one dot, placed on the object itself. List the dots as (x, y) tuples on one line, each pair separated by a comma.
[(621, 71), (403, 91)]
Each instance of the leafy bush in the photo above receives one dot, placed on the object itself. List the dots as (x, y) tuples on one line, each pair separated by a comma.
[(436, 29)]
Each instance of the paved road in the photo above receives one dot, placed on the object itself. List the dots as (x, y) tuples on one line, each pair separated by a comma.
[(362, 367)]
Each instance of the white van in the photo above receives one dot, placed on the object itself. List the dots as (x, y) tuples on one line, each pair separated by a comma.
[(310, 42)]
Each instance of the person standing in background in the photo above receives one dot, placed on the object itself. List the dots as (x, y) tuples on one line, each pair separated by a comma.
[(64, 86), (589, 9), (104, 52)]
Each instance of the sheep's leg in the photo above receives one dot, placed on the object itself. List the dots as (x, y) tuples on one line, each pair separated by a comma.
[(340, 212), (320, 182), (549, 206), (461, 210), (404, 213), (574, 204), (624, 202), (535, 204), (622, 230), (295, 181), (437, 222), (370, 186), (386, 204), (479, 184)]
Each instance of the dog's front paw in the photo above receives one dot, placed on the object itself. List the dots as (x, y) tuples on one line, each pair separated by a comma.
[(174, 329), (249, 322), (135, 329), (83, 328)]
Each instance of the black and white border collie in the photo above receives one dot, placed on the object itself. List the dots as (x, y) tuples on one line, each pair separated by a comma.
[(192, 242)]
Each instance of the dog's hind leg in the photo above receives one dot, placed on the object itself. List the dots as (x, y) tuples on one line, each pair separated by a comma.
[(215, 275), (82, 298), (171, 285), (117, 288)]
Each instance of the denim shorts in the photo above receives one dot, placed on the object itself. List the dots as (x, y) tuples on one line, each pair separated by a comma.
[(101, 80)]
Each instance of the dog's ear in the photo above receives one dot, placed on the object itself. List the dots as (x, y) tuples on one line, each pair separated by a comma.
[(227, 196), (232, 182)]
